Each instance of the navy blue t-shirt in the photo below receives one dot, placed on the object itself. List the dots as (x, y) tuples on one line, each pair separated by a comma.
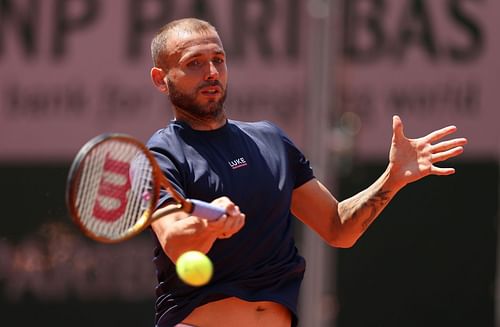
[(257, 167)]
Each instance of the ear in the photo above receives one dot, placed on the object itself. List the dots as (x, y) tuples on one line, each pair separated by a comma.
[(158, 77)]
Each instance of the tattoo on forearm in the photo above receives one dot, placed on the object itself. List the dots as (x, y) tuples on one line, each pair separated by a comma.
[(368, 206), (375, 204)]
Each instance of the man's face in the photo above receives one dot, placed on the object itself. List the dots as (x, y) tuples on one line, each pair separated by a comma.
[(197, 74)]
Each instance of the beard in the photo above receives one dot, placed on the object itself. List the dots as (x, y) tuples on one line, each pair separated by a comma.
[(187, 101)]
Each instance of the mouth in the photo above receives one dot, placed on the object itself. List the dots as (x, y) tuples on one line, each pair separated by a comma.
[(211, 91)]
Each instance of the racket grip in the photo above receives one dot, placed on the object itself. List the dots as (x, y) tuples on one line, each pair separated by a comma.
[(206, 210)]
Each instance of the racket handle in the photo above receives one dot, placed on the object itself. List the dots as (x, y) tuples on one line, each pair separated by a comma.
[(206, 210)]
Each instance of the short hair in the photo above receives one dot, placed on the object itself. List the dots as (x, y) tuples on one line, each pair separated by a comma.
[(189, 25)]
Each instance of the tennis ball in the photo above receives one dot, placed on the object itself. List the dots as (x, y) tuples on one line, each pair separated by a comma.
[(194, 268)]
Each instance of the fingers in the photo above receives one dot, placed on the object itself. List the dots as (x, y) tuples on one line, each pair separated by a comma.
[(443, 151), (446, 145), (231, 222), (444, 155), (418, 156), (447, 149), (442, 171), (440, 133), (231, 226), (398, 130)]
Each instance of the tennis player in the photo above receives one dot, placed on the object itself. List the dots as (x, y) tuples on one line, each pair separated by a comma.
[(262, 180)]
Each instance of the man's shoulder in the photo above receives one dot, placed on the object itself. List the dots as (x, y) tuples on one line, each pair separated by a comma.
[(156, 139), (164, 135), (261, 126)]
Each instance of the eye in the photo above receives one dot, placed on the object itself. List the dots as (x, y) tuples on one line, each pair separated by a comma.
[(194, 63), (218, 60)]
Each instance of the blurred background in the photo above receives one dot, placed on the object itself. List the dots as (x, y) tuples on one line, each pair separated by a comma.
[(331, 74)]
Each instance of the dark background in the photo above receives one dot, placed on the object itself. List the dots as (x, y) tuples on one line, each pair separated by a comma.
[(429, 260)]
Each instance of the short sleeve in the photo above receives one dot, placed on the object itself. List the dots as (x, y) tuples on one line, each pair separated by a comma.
[(169, 164), (169, 168), (299, 164)]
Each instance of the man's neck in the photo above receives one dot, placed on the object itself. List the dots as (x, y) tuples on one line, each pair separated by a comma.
[(202, 123)]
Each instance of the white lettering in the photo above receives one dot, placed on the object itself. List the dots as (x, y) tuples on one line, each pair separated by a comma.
[(237, 163)]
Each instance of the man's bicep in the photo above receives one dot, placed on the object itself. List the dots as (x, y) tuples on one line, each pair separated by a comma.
[(316, 207)]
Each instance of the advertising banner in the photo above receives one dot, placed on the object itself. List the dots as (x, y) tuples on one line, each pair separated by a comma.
[(73, 69), (434, 63)]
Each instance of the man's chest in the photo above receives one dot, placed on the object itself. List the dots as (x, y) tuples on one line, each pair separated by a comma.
[(246, 172)]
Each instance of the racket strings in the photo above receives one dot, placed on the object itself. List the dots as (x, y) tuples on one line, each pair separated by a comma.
[(114, 190)]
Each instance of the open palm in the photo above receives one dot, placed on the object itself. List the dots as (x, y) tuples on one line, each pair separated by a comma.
[(413, 159)]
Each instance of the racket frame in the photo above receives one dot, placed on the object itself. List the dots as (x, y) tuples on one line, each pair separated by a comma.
[(75, 173), (159, 180)]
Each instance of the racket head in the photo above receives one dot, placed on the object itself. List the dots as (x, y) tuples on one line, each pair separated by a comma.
[(112, 188)]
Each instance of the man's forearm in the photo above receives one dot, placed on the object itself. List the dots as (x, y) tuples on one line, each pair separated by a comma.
[(359, 211), (178, 233)]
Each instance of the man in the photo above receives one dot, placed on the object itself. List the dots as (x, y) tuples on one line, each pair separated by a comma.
[(261, 179)]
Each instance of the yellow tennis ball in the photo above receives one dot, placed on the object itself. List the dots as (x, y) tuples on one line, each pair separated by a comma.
[(194, 268)]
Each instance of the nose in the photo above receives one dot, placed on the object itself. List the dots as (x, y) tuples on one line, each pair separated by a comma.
[(212, 73)]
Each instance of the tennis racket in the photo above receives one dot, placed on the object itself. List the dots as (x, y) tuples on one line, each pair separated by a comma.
[(114, 186)]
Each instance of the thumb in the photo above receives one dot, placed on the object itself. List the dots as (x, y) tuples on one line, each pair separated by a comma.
[(397, 127)]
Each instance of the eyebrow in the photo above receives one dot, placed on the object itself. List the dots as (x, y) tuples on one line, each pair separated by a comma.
[(198, 54), (201, 53)]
